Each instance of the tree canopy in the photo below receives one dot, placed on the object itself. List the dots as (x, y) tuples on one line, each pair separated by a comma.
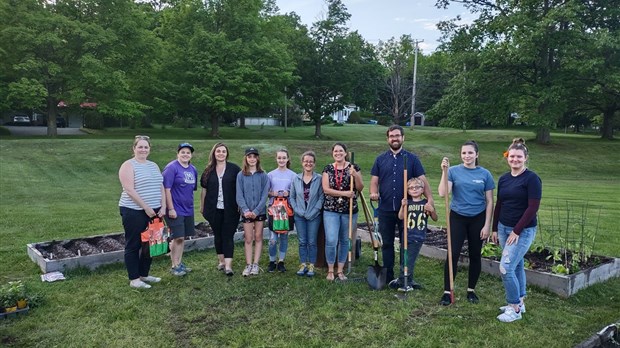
[(552, 63)]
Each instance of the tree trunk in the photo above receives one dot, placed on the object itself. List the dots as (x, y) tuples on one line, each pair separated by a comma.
[(543, 135), (215, 127), (607, 129), (52, 104), (242, 122), (317, 128)]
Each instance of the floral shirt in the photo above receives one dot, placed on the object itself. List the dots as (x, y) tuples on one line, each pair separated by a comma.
[(339, 180)]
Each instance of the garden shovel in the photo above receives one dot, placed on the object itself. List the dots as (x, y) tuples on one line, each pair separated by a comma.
[(447, 202), (351, 217), (405, 289), (376, 275)]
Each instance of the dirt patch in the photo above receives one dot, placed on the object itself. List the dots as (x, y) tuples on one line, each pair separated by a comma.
[(101, 244)]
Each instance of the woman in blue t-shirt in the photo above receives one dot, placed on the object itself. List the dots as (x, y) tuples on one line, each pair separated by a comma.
[(514, 224), (471, 210)]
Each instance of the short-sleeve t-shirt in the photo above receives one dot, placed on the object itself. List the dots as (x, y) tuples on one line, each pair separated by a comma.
[(182, 183), (469, 186)]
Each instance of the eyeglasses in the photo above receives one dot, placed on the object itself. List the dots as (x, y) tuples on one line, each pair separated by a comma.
[(143, 137), (415, 187), (308, 162)]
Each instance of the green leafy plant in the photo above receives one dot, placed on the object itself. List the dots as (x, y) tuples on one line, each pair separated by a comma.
[(491, 250), (11, 293), (559, 269), (569, 238)]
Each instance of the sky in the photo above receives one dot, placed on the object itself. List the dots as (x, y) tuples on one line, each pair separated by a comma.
[(383, 19)]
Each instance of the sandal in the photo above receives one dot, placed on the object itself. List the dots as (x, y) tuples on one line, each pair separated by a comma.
[(341, 276), (330, 276)]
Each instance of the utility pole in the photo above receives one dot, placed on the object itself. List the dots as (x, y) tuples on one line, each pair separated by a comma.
[(415, 68), (285, 111)]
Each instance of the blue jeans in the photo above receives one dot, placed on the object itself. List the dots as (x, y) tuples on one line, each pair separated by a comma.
[(307, 231), (511, 264), (388, 222), (273, 245), (413, 250), (337, 235)]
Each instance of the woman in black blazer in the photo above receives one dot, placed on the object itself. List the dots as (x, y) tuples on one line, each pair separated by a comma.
[(218, 204)]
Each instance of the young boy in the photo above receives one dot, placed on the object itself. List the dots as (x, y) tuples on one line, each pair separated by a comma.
[(417, 219)]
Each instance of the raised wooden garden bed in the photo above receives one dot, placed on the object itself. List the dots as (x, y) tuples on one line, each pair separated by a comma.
[(563, 285), (92, 252)]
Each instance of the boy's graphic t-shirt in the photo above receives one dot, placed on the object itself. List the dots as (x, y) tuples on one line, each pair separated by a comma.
[(417, 221)]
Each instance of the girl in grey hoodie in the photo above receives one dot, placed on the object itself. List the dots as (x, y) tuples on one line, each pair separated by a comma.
[(252, 188)]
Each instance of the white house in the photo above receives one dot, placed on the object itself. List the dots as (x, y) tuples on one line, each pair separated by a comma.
[(341, 116)]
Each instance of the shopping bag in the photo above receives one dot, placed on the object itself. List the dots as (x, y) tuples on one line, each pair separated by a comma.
[(155, 238), (281, 216)]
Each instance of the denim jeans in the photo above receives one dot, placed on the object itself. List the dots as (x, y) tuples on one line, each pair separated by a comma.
[(388, 222), (511, 264), (307, 231), (337, 235), (413, 250), (274, 238)]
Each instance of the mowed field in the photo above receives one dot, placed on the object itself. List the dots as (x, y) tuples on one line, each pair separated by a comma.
[(67, 187)]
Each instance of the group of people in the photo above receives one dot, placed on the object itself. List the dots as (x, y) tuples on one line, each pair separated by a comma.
[(330, 199)]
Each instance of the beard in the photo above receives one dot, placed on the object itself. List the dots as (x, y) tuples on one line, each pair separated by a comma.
[(396, 145)]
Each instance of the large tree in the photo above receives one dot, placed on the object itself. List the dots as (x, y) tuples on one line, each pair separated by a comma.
[(522, 48), (332, 65), (230, 66), (76, 51), (595, 65), (396, 56)]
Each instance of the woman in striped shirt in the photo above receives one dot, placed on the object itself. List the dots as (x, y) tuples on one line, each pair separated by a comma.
[(143, 198)]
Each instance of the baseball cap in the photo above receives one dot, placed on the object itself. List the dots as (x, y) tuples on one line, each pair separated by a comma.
[(251, 150), (187, 145)]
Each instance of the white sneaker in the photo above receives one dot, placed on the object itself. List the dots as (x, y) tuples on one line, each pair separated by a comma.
[(521, 308), (255, 269), (247, 270), (150, 279), (509, 315), (139, 284)]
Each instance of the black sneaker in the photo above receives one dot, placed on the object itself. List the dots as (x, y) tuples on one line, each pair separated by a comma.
[(281, 267), (445, 300), (471, 297), (229, 272), (272, 267)]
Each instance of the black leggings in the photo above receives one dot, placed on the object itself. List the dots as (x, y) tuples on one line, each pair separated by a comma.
[(224, 227), (462, 227)]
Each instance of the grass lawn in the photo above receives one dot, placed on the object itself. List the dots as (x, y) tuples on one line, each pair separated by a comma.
[(68, 187)]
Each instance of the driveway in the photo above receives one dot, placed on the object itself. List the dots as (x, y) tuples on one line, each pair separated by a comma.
[(36, 130)]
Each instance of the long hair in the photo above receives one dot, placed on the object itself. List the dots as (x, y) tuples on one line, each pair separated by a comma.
[(518, 144), (212, 161), (288, 161), (246, 167), (474, 145)]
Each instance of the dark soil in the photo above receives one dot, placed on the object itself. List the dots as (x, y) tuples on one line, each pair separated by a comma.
[(203, 229), (95, 245)]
